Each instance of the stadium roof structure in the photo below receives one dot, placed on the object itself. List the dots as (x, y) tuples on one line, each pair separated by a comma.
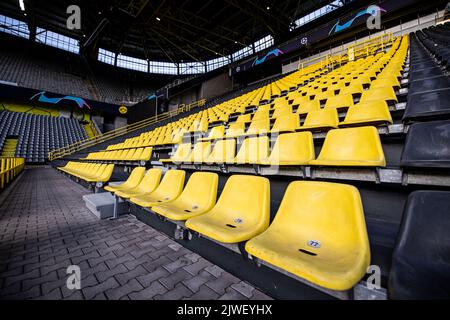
[(161, 30)]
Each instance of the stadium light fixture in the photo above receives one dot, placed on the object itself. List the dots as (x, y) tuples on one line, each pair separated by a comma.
[(158, 18), (22, 5)]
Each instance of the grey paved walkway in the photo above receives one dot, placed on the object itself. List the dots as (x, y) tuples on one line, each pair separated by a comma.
[(45, 227)]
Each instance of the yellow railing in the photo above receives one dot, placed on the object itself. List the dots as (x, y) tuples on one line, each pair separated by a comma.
[(9, 169), (363, 48), (80, 145)]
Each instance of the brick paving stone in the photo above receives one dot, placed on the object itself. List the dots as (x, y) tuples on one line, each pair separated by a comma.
[(45, 228)]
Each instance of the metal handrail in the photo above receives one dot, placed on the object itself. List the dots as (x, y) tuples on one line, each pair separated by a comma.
[(9, 169), (83, 144)]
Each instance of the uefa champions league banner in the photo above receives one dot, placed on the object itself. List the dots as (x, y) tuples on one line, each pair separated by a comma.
[(354, 19), (16, 94)]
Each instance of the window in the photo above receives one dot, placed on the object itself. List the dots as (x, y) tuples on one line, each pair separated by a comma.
[(132, 63), (216, 63), (163, 67), (244, 52), (106, 56), (57, 40), (316, 14), (192, 68), (14, 27), (264, 43)]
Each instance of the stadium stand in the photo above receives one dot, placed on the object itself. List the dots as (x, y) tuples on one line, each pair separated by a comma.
[(38, 134)]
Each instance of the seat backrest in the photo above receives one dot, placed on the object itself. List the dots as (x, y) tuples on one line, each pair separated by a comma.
[(259, 126), (253, 150), (250, 207), (172, 183), (106, 174), (201, 190), (223, 150), (322, 118), (236, 128), (150, 181), (286, 123), (201, 151), (217, 132), (134, 178), (293, 147), (421, 260), (183, 151), (330, 214), (146, 154), (354, 144)]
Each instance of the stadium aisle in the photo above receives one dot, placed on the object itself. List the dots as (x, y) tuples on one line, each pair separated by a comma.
[(45, 228)]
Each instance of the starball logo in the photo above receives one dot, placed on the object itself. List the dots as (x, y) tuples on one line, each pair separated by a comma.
[(373, 21)]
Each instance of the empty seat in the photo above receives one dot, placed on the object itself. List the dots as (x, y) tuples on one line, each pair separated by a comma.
[(308, 106), (342, 101), (201, 151), (352, 147), (215, 133), (421, 260), (147, 185), (381, 93), (318, 234), (242, 211), (369, 113), (235, 130), (132, 182), (287, 123), (222, 152), (428, 105), (291, 149), (321, 119), (427, 145), (182, 154), (252, 151), (259, 126), (198, 197), (169, 189)]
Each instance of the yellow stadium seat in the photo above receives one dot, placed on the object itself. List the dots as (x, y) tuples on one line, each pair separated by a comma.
[(385, 81), (322, 119), (352, 147), (282, 111), (261, 115), (308, 106), (215, 133), (259, 126), (201, 151), (291, 149), (235, 130), (102, 175), (353, 89), (342, 101), (287, 123), (197, 198), (369, 113), (239, 215), (132, 182), (146, 154), (381, 93), (244, 118), (182, 154), (252, 151), (169, 189), (318, 234), (137, 154), (223, 151), (147, 185)]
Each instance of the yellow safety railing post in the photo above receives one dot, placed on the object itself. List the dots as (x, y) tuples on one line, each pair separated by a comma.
[(2, 171)]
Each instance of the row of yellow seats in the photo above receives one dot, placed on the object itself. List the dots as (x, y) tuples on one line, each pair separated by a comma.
[(138, 154), (342, 147), (318, 234), (90, 172), (370, 113)]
